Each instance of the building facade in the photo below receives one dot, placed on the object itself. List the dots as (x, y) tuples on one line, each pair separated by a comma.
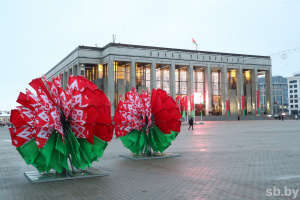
[(280, 94), (294, 94), (4, 118), (222, 78)]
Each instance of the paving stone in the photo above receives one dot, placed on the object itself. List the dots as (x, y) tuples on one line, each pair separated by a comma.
[(220, 160)]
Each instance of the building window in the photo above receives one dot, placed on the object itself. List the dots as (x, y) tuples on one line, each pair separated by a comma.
[(91, 71), (209, 58), (216, 94), (278, 100), (215, 79), (165, 79), (221, 58), (296, 101), (291, 86), (294, 81), (165, 54), (197, 56), (295, 91), (179, 56), (276, 86), (142, 76), (278, 93), (296, 106), (177, 81), (291, 91), (191, 56), (247, 77), (296, 96), (102, 71), (181, 81), (291, 96), (157, 53), (295, 86), (199, 80), (121, 80), (215, 58), (231, 79), (292, 106), (203, 57), (151, 53), (158, 76), (172, 55), (291, 101)]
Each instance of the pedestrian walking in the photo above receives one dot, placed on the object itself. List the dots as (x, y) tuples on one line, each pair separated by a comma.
[(238, 118), (191, 122), (296, 117), (282, 117)]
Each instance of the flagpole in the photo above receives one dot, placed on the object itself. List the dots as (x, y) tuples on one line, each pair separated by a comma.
[(194, 107), (196, 47)]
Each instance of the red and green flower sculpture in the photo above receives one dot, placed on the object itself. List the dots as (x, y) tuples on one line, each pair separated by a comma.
[(55, 125), (145, 124)]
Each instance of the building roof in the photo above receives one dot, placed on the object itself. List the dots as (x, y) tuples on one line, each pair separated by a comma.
[(156, 48), (168, 49), (4, 114)]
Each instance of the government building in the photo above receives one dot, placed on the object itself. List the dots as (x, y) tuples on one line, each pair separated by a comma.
[(226, 82)]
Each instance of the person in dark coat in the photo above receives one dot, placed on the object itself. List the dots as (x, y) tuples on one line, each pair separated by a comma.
[(191, 122)]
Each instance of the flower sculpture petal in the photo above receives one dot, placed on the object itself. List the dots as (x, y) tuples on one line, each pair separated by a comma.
[(144, 123), (56, 125)]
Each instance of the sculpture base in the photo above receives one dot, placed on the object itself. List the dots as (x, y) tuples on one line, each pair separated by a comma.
[(36, 177), (154, 156)]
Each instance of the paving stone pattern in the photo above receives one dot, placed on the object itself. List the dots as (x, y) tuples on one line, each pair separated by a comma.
[(220, 160)]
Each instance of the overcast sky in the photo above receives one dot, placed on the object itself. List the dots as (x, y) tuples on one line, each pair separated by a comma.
[(36, 35)]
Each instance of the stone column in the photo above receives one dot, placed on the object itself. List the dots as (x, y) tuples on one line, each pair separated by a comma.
[(74, 69), (110, 84), (239, 88), (153, 76), (254, 88), (78, 69), (161, 85), (207, 80), (190, 88), (224, 87), (70, 71), (132, 74), (65, 79), (269, 93), (172, 80), (62, 79)]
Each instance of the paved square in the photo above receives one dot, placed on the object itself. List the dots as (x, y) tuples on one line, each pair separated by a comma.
[(220, 160)]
